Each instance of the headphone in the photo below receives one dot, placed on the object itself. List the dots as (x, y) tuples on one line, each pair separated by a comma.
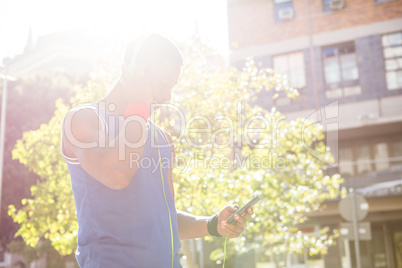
[(132, 52), (164, 193)]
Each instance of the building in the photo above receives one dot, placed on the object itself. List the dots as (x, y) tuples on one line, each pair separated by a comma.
[(346, 53), (72, 52)]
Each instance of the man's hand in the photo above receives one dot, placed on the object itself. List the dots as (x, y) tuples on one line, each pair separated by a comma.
[(235, 228)]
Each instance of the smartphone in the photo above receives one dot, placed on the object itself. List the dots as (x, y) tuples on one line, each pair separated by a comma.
[(243, 209)]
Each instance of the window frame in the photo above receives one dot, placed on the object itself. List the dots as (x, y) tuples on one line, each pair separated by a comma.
[(326, 7), (392, 58), (281, 94), (344, 87), (354, 144), (281, 5)]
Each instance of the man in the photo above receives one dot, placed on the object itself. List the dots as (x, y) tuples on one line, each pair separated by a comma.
[(126, 211)]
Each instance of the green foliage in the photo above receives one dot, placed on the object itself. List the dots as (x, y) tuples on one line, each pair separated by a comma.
[(233, 149), (228, 163), (30, 102), (50, 214), (43, 249)]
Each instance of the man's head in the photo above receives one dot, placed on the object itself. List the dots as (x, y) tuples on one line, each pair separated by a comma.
[(155, 62)]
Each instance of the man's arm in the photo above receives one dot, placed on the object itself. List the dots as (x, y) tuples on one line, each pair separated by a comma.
[(191, 226), (82, 134)]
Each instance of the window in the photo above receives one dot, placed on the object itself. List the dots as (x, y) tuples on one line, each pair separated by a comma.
[(363, 157), (381, 155), (283, 10), (397, 151), (292, 66), (341, 71), (333, 5), (373, 253), (326, 6), (392, 48), (374, 154), (346, 165)]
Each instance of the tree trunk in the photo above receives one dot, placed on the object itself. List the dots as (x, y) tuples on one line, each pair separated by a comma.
[(275, 260)]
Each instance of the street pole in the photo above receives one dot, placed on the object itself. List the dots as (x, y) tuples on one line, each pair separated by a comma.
[(200, 246), (2, 133), (355, 229), (5, 78), (347, 254)]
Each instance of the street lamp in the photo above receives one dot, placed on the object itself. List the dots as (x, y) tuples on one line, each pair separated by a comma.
[(5, 78)]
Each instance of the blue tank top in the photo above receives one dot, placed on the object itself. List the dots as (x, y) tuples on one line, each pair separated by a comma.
[(128, 227)]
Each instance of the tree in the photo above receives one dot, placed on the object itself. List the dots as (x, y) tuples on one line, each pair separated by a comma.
[(30, 102), (220, 158)]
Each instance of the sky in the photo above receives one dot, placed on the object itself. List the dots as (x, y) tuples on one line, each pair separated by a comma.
[(114, 19)]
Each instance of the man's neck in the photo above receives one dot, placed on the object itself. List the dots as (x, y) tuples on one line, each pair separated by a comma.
[(112, 102), (121, 96)]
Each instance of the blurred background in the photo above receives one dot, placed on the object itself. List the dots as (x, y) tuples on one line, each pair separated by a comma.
[(343, 56)]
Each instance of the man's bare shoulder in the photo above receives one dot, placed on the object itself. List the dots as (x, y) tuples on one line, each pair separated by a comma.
[(83, 123)]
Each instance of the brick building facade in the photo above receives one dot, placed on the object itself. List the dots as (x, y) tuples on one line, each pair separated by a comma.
[(253, 23), (347, 53)]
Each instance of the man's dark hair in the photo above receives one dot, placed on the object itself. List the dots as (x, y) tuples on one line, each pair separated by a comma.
[(151, 50)]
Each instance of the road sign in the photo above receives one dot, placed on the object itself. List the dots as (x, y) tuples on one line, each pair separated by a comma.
[(346, 207), (364, 229)]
